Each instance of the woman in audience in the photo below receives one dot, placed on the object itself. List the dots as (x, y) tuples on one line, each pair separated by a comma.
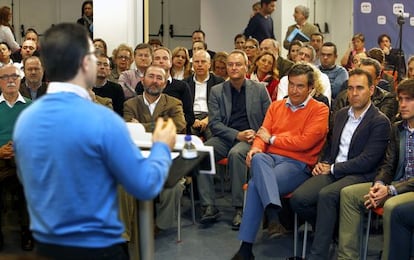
[(251, 48), (219, 64), (181, 68), (410, 67), (100, 45), (122, 57), (6, 30), (355, 47), (239, 41), (264, 70), (87, 17), (293, 50), (155, 43), (5, 53)]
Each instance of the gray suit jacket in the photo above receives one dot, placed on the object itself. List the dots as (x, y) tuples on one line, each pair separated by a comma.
[(167, 106), (219, 107)]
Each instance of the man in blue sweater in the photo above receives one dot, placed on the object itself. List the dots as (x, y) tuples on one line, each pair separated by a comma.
[(72, 153)]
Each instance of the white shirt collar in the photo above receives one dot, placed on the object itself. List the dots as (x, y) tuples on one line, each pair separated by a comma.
[(208, 77), (56, 87), (20, 98)]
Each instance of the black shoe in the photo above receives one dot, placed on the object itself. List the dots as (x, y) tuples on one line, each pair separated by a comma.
[(27, 240), (238, 256), (237, 218), (209, 215)]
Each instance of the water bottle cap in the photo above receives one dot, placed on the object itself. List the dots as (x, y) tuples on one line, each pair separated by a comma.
[(187, 138)]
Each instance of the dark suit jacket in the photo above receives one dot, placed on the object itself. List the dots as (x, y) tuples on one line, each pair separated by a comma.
[(392, 167), (283, 65), (180, 90), (166, 106), (25, 91), (220, 106), (115, 92), (367, 146), (212, 81)]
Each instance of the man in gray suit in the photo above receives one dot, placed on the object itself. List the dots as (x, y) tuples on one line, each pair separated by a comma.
[(236, 111)]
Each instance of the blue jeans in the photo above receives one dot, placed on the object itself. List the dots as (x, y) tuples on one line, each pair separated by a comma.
[(273, 176)]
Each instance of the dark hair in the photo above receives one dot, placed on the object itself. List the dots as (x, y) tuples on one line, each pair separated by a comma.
[(331, 44), (372, 62), (383, 36), (5, 43), (199, 31), (143, 46), (85, 3), (376, 54), (303, 69), (266, 2), (406, 86), (294, 43), (359, 72), (318, 34), (359, 36), (63, 48), (204, 44), (29, 58), (155, 41), (103, 43), (4, 16), (31, 30), (240, 35)]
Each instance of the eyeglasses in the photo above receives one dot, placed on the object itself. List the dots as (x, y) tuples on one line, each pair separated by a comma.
[(7, 77), (249, 47), (123, 57)]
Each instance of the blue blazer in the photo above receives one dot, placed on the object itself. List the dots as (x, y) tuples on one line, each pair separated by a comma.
[(367, 146), (219, 108)]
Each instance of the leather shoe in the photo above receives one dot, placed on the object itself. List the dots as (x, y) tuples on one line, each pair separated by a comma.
[(275, 229), (237, 218), (238, 256), (209, 215)]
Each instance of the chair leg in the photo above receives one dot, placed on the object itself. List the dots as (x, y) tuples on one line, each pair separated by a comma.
[(305, 240), (365, 252), (179, 221), (295, 235), (192, 202)]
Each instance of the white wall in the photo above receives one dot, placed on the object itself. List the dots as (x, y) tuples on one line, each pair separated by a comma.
[(118, 23)]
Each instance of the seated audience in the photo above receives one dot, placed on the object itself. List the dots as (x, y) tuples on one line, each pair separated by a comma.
[(316, 41), (181, 67), (105, 88), (356, 46), (293, 49), (122, 60), (392, 56), (264, 71), (12, 103), (337, 74), (286, 146), (239, 41), (354, 149), (218, 65), (236, 110), (196, 36), (130, 78), (200, 84), (155, 43), (378, 54), (283, 65), (175, 88), (382, 99), (392, 189), (32, 86), (251, 48)]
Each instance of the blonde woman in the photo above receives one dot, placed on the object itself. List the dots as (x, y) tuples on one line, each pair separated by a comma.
[(181, 68), (218, 66), (264, 70)]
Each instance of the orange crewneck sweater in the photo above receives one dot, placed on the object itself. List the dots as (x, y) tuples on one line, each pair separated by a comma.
[(300, 135)]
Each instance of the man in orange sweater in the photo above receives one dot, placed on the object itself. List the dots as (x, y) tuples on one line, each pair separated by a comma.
[(286, 147)]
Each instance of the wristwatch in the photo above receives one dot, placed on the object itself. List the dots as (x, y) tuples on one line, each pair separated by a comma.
[(389, 191)]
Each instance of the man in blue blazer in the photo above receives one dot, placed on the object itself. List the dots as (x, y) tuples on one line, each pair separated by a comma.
[(236, 109), (355, 148)]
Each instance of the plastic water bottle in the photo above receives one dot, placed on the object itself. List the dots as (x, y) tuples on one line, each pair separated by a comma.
[(189, 150)]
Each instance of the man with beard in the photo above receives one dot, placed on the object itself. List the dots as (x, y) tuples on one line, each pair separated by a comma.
[(145, 109), (105, 88)]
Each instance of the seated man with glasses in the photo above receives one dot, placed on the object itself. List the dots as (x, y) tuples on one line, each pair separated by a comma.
[(12, 103)]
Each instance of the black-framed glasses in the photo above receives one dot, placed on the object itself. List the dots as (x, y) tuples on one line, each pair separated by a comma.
[(7, 77)]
